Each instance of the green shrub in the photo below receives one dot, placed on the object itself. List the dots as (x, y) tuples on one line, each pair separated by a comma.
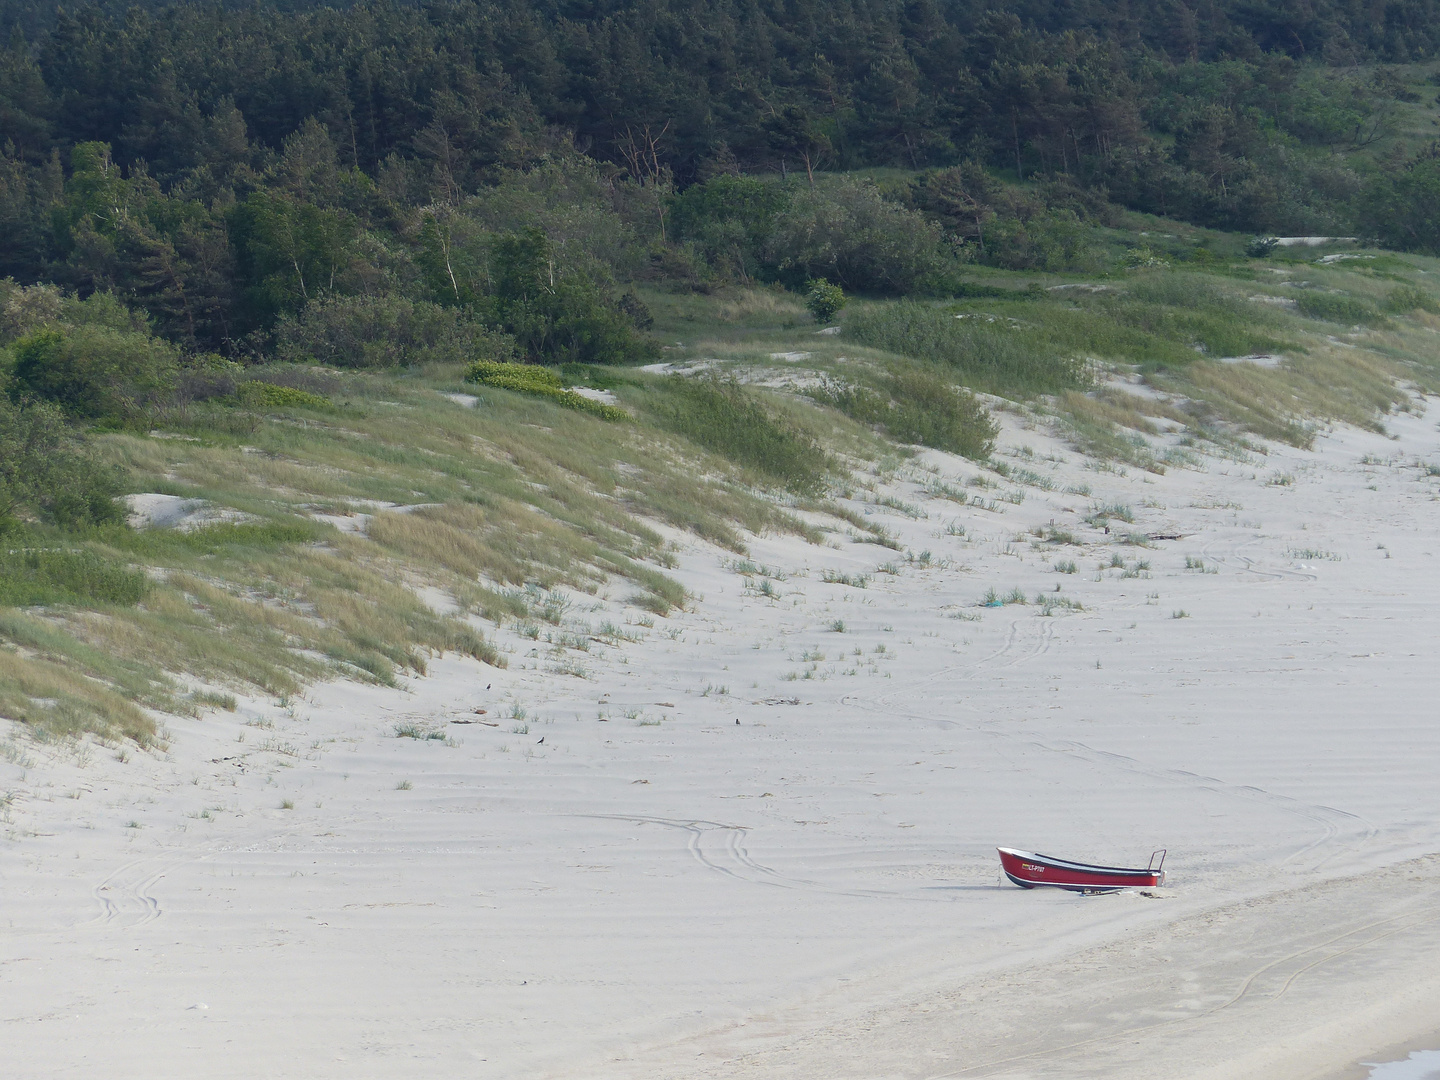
[(636, 310), (540, 382), (47, 472), (26, 308), (728, 220), (727, 420), (1053, 240), (1338, 308), (824, 300), (93, 371), (847, 232), (264, 395), (557, 304), (41, 576), (919, 406), (385, 331), (524, 378), (1404, 299), (1398, 206)]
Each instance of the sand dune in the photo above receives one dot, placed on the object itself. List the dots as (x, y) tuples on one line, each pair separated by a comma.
[(655, 890)]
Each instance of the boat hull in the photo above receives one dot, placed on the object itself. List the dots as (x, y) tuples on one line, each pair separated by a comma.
[(1030, 870)]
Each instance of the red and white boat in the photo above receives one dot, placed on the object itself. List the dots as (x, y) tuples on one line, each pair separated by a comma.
[(1027, 869)]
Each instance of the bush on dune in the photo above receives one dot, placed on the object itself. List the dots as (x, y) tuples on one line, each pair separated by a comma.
[(93, 372), (384, 332), (848, 232), (48, 474), (266, 395)]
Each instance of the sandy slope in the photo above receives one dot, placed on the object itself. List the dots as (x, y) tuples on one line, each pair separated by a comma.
[(655, 890)]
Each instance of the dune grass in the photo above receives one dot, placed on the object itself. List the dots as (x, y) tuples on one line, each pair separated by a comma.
[(500, 504), (728, 420), (518, 491), (916, 404), (985, 353), (53, 575)]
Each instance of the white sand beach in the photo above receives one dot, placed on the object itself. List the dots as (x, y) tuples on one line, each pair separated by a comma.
[(757, 838)]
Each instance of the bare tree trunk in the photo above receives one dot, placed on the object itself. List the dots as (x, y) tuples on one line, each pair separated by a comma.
[(1015, 130)]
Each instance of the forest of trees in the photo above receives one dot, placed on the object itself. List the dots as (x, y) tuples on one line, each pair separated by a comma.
[(379, 182)]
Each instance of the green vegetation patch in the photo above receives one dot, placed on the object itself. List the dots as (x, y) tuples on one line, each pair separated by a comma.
[(540, 382), (988, 354), (1339, 308), (227, 537), (264, 395), (918, 406), (49, 473), (58, 576), (727, 420)]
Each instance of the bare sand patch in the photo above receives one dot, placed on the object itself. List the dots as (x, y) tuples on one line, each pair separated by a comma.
[(618, 878)]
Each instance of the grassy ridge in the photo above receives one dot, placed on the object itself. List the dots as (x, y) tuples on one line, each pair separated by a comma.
[(387, 481), (495, 505)]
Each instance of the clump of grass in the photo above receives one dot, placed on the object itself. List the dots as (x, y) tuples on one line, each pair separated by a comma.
[(877, 533), (1312, 555), (221, 538), (1338, 308), (1065, 566), (838, 626), (1103, 512), (836, 577), (538, 382), (1111, 425), (1407, 298), (986, 356), (1049, 603), (36, 576), (404, 785), (916, 405), (43, 692), (408, 729), (728, 420)]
